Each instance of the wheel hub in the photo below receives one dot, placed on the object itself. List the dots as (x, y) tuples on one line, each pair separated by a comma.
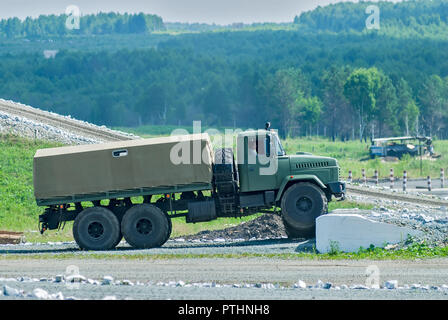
[(144, 226), (95, 230), (304, 204)]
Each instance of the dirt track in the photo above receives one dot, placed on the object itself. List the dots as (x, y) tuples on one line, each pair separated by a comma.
[(231, 278)]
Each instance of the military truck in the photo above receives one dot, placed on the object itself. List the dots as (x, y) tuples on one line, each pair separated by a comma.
[(399, 146), (133, 189)]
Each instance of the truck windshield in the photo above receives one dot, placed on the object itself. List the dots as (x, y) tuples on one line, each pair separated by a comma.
[(278, 146)]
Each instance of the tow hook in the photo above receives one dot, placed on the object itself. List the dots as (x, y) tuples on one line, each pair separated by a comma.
[(43, 228)]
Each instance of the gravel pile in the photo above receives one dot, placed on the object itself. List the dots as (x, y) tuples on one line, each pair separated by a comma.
[(433, 221), (268, 226), (433, 224), (23, 127), (35, 127)]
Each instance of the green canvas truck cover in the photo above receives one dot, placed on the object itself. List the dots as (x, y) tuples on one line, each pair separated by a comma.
[(124, 165)]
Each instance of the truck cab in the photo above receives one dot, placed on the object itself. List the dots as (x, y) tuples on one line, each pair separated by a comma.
[(301, 185)]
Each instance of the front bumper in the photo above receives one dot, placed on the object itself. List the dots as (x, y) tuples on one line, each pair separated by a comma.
[(337, 189)]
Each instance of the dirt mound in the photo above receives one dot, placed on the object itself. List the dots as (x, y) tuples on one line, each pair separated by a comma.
[(268, 226)]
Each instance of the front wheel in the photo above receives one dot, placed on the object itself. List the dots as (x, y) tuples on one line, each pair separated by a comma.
[(301, 204)]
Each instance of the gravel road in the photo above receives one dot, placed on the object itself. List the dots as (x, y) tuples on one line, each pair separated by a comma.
[(246, 278)]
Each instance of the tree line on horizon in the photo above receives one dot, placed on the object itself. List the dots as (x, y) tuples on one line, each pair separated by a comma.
[(343, 85), (46, 26)]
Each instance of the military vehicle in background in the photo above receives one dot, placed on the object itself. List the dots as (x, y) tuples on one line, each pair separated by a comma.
[(397, 147), (133, 189)]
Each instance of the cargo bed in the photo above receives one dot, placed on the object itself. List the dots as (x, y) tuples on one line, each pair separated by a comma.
[(122, 169)]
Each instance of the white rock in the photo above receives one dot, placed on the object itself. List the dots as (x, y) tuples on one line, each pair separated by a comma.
[(56, 296), (300, 284), (75, 278), (40, 294), (126, 283), (319, 284), (327, 285), (180, 283), (358, 287), (94, 282), (10, 292), (349, 232), (107, 280), (391, 284)]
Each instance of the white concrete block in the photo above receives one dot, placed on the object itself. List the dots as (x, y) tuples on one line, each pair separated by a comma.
[(349, 232)]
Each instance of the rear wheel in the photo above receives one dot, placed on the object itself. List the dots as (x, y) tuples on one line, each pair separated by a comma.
[(96, 228), (145, 226), (301, 204), (170, 229)]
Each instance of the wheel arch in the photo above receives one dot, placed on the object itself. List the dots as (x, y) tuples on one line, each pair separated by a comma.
[(293, 179)]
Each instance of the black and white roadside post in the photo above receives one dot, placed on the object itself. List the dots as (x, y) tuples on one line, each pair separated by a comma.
[(442, 178), (376, 177), (405, 180), (350, 177), (391, 178), (364, 179), (429, 183)]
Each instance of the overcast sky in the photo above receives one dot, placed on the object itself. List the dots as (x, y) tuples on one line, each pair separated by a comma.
[(209, 11)]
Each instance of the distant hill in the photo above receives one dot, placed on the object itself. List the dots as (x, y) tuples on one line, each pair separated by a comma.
[(403, 19), (116, 71)]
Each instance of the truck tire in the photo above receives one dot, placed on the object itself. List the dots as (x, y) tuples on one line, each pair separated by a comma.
[(145, 226), (301, 204), (170, 229), (96, 228)]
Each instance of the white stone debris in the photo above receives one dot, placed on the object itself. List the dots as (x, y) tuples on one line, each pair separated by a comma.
[(107, 280), (11, 292), (300, 284), (391, 284), (40, 294)]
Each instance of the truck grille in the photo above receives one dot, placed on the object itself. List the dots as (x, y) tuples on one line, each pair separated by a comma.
[(312, 165)]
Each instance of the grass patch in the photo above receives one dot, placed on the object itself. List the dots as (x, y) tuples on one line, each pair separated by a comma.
[(18, 209), (415, 251)]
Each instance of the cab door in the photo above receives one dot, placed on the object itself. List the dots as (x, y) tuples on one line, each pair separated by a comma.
[(262, 165)]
